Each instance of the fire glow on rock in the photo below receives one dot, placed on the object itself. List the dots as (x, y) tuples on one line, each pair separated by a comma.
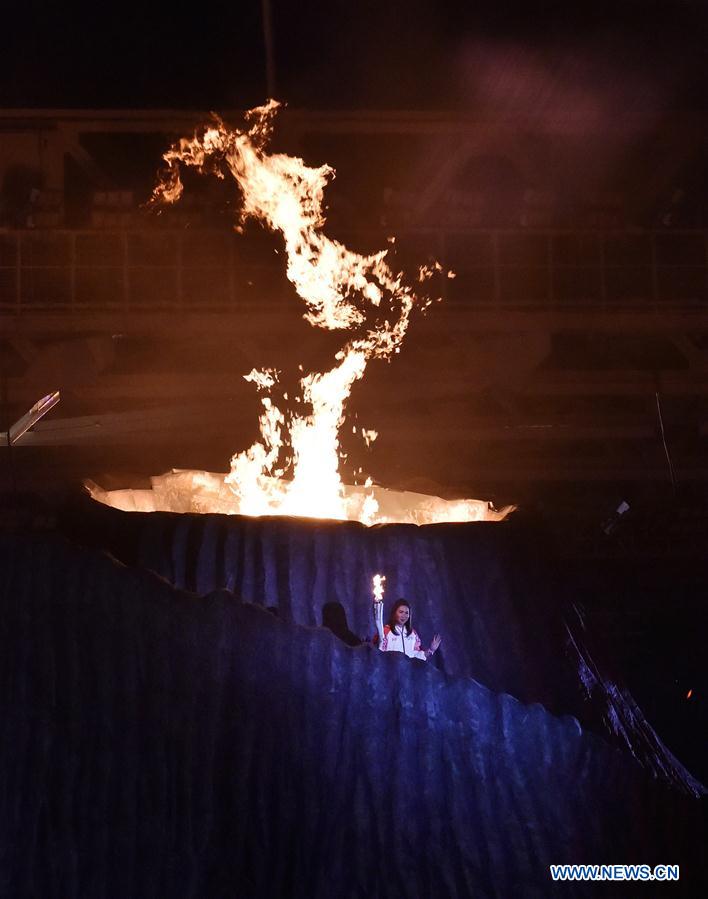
[(341, 289)]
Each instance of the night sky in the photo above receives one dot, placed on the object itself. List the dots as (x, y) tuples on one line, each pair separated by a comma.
[(421, 54)]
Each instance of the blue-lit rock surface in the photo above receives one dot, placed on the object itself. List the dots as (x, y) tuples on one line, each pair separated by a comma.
[(507, 614), (158, 743)]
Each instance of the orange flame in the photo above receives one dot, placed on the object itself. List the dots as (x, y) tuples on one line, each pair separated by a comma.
[(342, 290)]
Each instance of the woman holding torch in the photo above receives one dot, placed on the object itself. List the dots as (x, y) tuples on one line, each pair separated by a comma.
[(398, 635)]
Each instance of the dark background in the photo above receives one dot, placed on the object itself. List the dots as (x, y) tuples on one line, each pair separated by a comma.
[(418, 54)]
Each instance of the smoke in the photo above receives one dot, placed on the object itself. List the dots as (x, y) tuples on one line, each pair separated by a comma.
[(595, 104), (571, 87)]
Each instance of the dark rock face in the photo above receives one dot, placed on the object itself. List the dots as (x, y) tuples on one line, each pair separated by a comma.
[(478, 584), (506, 614), (155, 743)]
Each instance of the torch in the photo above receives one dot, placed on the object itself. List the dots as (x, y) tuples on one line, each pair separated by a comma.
[(378, 602)]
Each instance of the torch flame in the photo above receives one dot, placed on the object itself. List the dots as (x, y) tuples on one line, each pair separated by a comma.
[(379, 587)]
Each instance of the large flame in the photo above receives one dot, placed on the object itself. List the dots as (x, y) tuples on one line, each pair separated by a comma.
[(342, 290)]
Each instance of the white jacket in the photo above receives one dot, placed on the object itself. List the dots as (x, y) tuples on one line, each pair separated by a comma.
[(397, 639)]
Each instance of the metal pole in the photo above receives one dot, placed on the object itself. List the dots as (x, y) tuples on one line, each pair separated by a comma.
[(269, 47)]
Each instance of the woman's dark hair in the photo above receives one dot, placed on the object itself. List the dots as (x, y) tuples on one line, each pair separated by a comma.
[(393, 624)]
